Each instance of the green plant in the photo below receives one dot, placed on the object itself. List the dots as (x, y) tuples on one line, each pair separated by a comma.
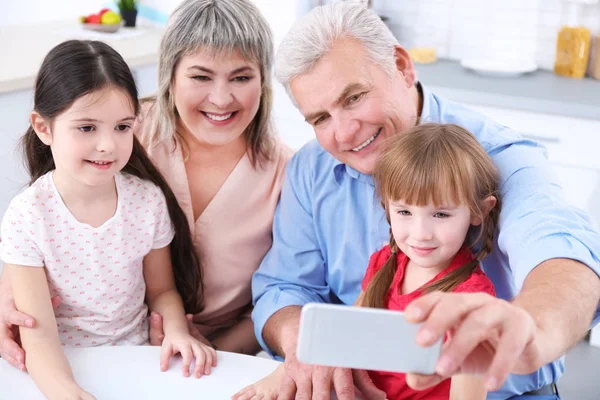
[(126, 5)]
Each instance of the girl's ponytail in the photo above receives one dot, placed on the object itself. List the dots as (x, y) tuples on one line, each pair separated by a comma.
[(377, 290)]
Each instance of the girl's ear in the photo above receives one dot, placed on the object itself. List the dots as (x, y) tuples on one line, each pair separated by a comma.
[(41, 128), (486, 206)]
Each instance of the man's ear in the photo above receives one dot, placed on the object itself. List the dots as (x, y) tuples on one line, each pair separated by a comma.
[(41, 127), (486, 206), (404, 65)]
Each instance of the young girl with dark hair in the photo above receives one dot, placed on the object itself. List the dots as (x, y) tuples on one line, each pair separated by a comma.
[(439, 189), (98, 225)]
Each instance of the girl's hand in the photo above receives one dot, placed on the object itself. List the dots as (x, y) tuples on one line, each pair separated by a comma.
[(190, 348), (71, 391), (265, 389)]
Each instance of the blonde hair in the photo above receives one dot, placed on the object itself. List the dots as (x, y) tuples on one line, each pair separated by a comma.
[(436, 163), (218, 25)]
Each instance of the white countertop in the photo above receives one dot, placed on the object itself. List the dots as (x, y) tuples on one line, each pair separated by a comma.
[(122, 372), (23, 47)]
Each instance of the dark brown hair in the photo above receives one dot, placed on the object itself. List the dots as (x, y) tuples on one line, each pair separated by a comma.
[(436, 163), (74, 69)]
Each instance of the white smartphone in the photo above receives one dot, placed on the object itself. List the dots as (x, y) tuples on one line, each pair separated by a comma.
[(363, 338)]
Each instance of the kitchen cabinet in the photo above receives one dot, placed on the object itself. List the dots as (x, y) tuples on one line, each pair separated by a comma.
[(573, 145)]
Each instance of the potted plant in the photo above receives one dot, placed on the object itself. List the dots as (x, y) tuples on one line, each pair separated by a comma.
[(128, 9)]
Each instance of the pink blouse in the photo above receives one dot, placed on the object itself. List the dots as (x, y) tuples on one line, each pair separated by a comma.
[(233, 233)]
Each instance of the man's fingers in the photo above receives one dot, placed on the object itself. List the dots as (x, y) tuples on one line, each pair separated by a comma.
[(321, 384), (420, 382), (303, 388), (474, 330), (446, 312), (12, 361), (365, 385), (56, 301), (287, 389), (515, 338), (18, 318), (9, 348), (343, 383), (157, 334)]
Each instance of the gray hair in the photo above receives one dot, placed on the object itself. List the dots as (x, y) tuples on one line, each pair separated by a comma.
[(314, 35), (217, 25)]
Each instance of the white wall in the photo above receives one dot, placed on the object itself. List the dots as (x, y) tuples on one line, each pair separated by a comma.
[(39, 11), (464, 28)]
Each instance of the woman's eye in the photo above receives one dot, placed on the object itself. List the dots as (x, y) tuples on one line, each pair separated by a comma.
[(123, 127), (404, 213), (86, 128), (201, 78), (241, 78), (441, 215)]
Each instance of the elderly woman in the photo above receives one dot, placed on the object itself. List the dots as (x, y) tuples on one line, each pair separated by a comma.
[(209, 132)]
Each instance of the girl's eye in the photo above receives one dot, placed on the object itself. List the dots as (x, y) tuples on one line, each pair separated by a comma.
[(86, 128), (201, 78), (123, 127), (440, 215), (404, 213)]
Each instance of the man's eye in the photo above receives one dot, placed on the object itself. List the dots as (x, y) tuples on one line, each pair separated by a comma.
[(354, 98), (319, 120)]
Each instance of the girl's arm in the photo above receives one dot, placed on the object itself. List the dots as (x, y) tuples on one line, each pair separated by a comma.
[(45, 359), (467, 387), (161, 292), (162, 297)]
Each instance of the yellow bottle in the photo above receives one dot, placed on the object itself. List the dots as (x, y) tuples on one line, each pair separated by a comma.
[(572, 48)]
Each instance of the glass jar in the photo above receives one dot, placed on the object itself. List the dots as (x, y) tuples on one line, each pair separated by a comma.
[(572, 46)]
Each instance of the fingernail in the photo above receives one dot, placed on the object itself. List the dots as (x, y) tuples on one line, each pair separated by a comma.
[(413, 313), (491, 384), (425, 336), (29, 323), (445, 366), (22, 367)]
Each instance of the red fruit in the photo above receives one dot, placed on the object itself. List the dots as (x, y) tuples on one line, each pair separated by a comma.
[(103, 11), (93, 19)]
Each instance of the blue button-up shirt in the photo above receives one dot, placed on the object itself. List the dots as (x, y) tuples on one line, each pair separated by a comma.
[(329, 221)]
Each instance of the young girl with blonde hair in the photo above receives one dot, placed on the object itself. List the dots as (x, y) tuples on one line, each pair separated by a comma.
[(439, 189)]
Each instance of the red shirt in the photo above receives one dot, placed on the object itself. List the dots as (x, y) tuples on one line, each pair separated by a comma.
[(393, 383)]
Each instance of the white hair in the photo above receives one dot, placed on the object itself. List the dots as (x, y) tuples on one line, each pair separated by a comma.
[(314, 35)]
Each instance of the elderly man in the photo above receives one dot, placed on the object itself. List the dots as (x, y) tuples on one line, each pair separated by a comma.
[(352, 82)]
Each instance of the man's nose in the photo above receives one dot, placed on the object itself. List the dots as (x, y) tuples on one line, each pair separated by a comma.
[(346, 130)]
